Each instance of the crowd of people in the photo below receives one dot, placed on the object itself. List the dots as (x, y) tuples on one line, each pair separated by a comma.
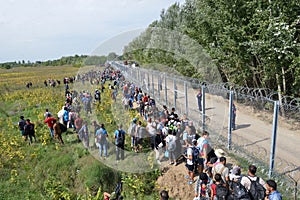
[(169, 135), (176, 138)]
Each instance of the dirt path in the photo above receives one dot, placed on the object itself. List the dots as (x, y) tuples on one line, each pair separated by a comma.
[(254, 130)]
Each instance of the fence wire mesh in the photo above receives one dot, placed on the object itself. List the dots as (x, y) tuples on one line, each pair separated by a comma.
[(254, 107)]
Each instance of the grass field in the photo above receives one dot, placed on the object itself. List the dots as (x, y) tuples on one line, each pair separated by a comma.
[(46, 169)]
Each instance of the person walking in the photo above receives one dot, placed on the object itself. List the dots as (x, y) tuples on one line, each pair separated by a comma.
[(57, 131), (50, 122), (199, 100), (21, 125), (220, 168), (233, 117), (248, 181), (120, 143), (271, 192), (46, 113), (29, 131), (131, 131), (101, 140)]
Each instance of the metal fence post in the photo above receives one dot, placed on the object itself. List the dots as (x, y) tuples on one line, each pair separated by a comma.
[(274, 134), (175, 92), (166, 92), (158, 86), (203, 107), (140, 76), (148, 84), (186, 99), (230, 120), (152, 84)]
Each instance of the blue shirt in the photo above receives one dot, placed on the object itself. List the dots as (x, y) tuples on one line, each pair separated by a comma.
[(101, 135), (66, 116), (275, 195), (117, 132)]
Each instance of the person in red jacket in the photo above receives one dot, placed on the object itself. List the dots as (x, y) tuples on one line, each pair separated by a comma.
[(50, 122)]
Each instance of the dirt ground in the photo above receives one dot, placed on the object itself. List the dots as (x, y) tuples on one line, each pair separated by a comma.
[(253, 133)]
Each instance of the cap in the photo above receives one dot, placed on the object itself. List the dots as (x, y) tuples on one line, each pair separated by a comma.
[(219, 153), (134, 120)]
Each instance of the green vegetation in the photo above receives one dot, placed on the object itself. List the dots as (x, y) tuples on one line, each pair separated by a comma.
[(252, 43), (46, 169)]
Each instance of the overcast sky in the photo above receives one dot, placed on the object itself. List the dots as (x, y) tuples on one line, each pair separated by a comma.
[(49, 29)]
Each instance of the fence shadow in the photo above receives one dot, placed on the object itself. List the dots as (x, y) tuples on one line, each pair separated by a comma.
[(210, 108), (292, 170), (241, 126), (258, 141)]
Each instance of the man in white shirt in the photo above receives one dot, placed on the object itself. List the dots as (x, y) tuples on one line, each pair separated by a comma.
[(220, 168), (151, 128), (245, 181)]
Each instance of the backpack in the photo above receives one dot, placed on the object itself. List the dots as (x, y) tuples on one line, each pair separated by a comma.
[(101, 136), (239, 191), (257, 190), (195, 154), (172, 145), (62, 127), (29, 129), (22, 123), (120, 138), (222, 192), (131, 129)]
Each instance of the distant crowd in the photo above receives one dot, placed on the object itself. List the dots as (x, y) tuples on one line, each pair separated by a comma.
[(169, 135)]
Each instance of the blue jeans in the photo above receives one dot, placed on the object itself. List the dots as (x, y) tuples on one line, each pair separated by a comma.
[(120, 152), (133, 141), (51, 132), (103, 147)]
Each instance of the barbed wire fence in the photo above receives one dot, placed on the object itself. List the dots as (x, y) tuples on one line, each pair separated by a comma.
[(180, 92)]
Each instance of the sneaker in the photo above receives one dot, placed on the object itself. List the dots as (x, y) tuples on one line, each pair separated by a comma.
[(186, 176), (171, 163), (175, 164)]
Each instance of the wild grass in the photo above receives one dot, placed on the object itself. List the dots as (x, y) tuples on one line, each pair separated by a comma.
[(46, 169)]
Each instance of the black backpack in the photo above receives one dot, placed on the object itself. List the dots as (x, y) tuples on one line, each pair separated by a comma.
[(239, 191), (195, 154), (257, 190), (22, 124), (222, 192), (120, 138)]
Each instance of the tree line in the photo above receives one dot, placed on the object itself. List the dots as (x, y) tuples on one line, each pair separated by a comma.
[(76, 61), (252, 43)]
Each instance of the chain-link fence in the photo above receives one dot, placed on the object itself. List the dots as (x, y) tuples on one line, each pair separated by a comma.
[(252, 139)]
